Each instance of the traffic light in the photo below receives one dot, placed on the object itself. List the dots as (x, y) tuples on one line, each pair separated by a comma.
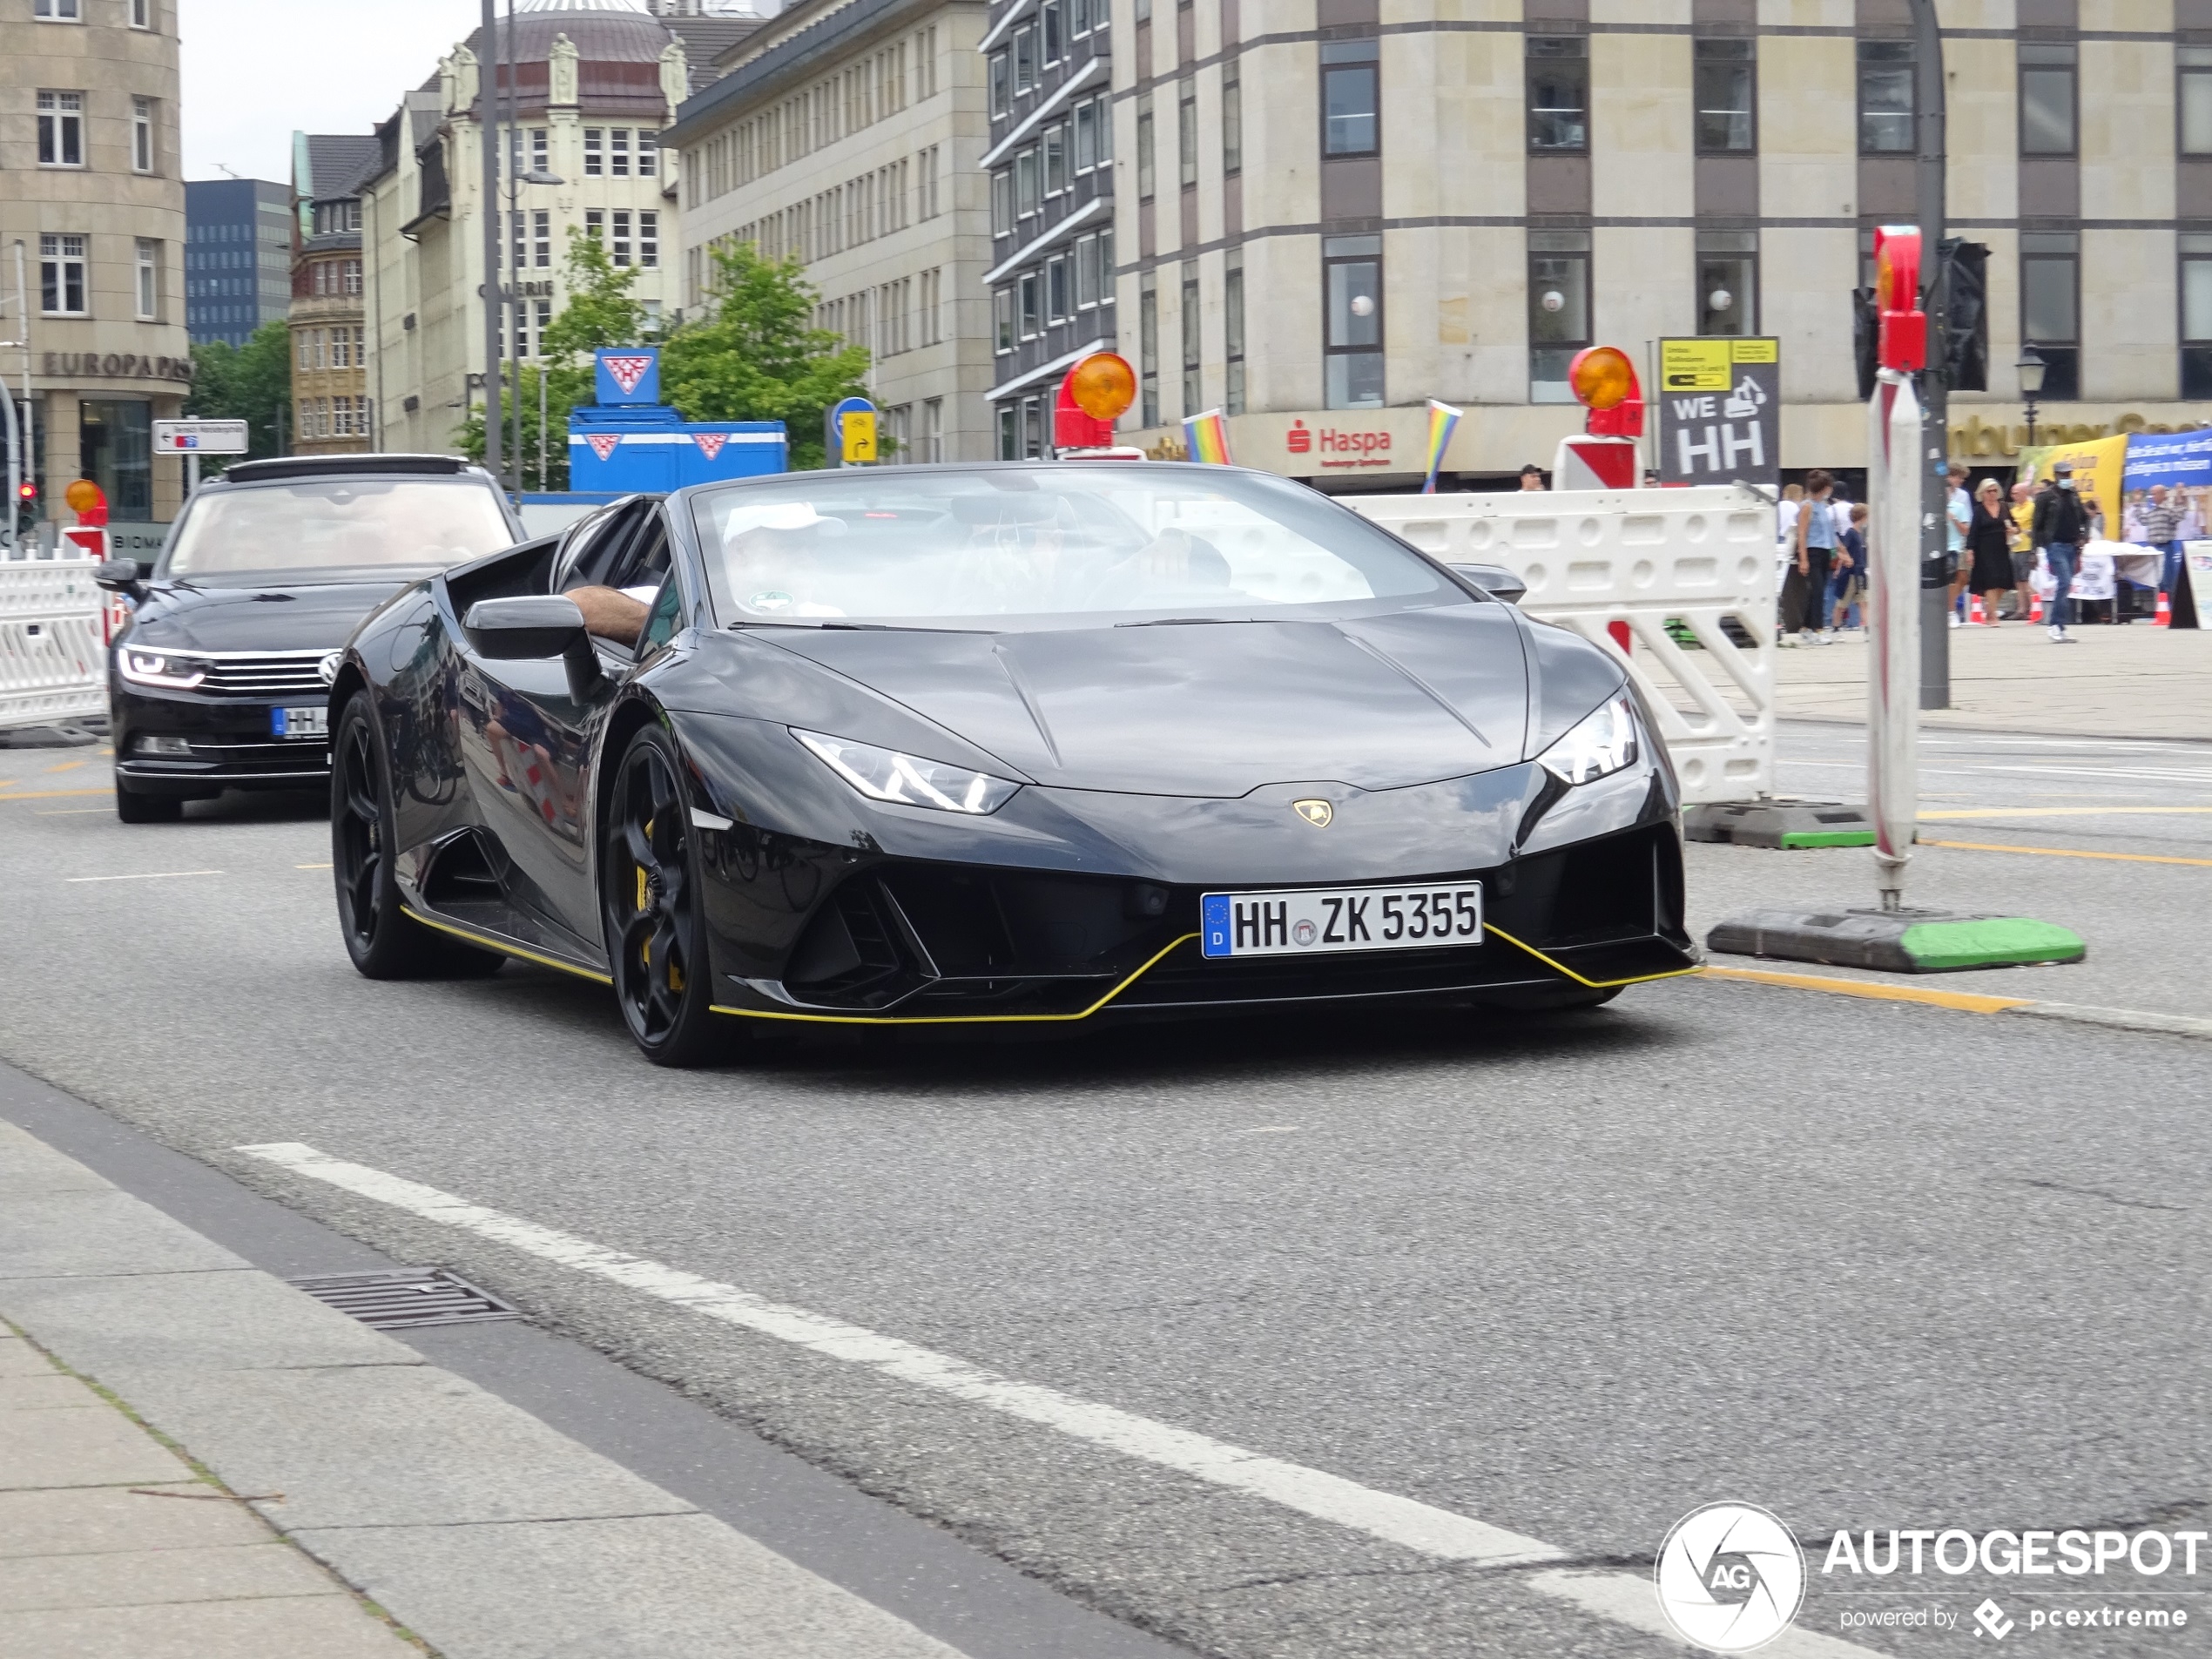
[(1965, 279)]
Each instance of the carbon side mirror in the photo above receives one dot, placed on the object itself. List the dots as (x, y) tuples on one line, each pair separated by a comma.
[(1494, 580), (537, 627)]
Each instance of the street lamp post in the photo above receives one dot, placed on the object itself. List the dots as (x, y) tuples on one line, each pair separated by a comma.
[(2030, 370)]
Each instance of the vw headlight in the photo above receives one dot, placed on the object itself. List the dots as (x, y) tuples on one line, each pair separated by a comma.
[(170, 670), (1603, 742), (884, 774)]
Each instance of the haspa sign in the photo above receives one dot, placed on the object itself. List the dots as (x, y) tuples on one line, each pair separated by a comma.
[(1330, 447)]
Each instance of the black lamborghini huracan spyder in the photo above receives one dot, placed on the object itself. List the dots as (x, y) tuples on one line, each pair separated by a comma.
[(1026, 742)]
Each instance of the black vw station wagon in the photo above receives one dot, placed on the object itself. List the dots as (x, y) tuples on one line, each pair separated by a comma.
[(222, 678)]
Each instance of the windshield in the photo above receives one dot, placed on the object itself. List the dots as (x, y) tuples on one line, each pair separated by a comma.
[(1056, 545), (338, 523)]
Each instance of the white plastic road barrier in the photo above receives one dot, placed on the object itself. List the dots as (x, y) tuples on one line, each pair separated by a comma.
[(1628, 571), (53, 666)]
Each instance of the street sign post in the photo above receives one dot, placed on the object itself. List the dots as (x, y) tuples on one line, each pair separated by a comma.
[(201, 438), (848, 432), (1720, 411)]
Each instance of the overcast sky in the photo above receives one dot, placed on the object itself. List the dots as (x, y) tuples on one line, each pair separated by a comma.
[(256, 71)]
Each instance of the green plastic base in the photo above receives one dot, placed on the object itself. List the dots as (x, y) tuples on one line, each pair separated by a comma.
[(1827, 838), (1910, 941), (1786, 826)]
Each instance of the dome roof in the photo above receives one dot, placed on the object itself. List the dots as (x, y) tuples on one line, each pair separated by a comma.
[(605, 31)]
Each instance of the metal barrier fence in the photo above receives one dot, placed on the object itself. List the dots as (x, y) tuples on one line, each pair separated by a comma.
[(1677, 583), (53, 664)]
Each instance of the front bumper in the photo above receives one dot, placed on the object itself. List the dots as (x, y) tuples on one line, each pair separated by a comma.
[(230, 738)]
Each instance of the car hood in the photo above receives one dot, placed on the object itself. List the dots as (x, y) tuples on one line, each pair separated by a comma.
[(1213, 708), (309, 617)]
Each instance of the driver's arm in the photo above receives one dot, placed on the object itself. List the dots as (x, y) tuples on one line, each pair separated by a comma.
[(611, 614)]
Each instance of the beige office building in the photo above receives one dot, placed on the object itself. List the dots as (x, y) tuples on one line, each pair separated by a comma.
[(847, 133), (1340, 209), (92, 214), (597, 83)]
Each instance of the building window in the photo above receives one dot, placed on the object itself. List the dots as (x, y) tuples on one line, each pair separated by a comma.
[(619, 250), (1086, 136), (1726, 97), (1002, 202), (595, 153), (1559, 310), (353, 279), (1351, 89), (1026, 193), (1001, 87), (147, 274), (1059, 298), (61, 275), (2047, 74), (1025, 60), (1009, 432), (1050, 19), (1055, 160), (933, 429), (1186, 135), (2051, 308), (618, 152), (1147, 352), (1559, 94), (61, 128), (1090, 277), (594, 225), (142, 135), (1727, 282), (648, 153), (1030, 304), (1145, 151), (1232, 127), (1351, 291), (1885, 97), (1084, 14), (2196, 316), (1104, 105), (649, 239), (540, 149), (1232, 333), (1002, 320), (58, 10), (141, 14), (2194, 96), (541, 239), (1193, 342)]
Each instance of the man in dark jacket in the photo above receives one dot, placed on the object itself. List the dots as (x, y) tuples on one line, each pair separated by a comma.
[(2060, 528)]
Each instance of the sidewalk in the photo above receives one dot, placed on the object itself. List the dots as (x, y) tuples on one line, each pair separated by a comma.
[(479, 1529), (111, 1544), (2135, 681)]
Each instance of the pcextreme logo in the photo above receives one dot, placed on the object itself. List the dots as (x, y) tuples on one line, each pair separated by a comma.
[(1730, 1577)]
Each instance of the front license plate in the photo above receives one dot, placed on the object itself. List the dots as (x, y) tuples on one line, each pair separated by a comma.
[(1318, 921), (311, 722)]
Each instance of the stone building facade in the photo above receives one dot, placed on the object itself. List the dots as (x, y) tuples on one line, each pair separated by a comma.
[(331, 411), (849, 135), (94, 211)]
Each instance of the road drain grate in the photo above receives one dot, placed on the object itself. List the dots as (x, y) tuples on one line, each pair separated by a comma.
[(410, 1297)]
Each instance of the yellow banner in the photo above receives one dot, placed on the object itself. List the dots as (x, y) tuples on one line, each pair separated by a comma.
[(2098, 466)]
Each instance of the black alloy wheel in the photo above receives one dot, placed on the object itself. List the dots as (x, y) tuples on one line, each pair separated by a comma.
[(384, 941), (656, 931)]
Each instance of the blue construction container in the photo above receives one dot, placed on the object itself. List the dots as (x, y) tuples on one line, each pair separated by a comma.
[(629, 440)]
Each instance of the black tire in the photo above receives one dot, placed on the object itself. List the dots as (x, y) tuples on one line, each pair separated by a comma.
[(383, 940), (655, 925), (134, 808)]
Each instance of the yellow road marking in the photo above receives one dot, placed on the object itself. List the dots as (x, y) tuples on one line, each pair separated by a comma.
[(55, 794), (70, 812), (1964, 1002), (310, 867), (66, 765), (2066, 853), (2060, 812)]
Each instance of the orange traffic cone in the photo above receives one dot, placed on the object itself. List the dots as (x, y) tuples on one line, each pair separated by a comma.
[(1973, 612), (2165, 617), (2035, 609)]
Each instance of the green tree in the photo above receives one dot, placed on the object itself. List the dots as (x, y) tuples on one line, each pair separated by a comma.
[(602, 311), (757, 355), (251, 383)]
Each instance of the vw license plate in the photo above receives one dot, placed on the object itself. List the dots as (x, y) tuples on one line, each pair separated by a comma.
[(311, 722), (1317, 920)]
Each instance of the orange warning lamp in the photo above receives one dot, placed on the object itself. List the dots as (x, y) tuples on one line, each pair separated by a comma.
[(87, 500), (1904, 343), (1605, 383), (1094, 395)]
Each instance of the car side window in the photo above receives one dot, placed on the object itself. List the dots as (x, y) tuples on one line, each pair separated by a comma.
[(590, 564), (661, 622), (643, 562)]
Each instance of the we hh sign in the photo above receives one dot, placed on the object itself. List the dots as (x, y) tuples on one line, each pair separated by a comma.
[(1720, 411)]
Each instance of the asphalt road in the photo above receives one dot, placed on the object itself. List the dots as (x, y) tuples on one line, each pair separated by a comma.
[(1866, 1264)]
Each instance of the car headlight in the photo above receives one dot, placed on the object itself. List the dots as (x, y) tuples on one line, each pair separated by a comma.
[(1603, 742), (884, 774), (172, 670)]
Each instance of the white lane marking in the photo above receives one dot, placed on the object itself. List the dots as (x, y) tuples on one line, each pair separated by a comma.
[(1418, 1527), (143, 875)]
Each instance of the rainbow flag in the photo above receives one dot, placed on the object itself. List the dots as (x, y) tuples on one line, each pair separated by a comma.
[(1442, 419), (1207, 437)]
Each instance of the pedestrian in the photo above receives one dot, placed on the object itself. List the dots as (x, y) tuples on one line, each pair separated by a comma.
[(1989, 543), (2060, 529), (1958, 518), (1815, 540), (1847, 586), (2162, 525), (2022, 513), (1532, 476)]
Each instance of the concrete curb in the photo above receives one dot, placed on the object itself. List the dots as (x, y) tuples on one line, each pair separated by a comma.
[(475, 1525)]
